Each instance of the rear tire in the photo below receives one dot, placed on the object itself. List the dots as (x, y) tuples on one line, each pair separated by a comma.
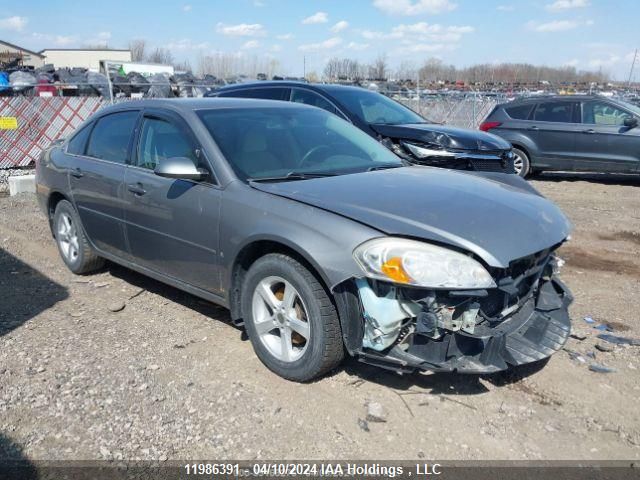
[(521, 163), (290, 320), (72, 242)]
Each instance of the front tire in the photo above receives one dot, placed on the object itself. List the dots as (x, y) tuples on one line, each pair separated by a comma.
[(72, 242), (521, 163), (290, 320)]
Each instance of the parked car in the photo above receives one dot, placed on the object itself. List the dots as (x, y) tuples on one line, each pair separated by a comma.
[(570, 133), (399, 128), (314, 235)]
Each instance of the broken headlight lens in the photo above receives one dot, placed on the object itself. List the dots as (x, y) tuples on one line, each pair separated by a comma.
[(421, 264), (427, 151)]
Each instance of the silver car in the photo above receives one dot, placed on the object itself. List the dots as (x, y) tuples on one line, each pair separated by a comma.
[(318, 239)]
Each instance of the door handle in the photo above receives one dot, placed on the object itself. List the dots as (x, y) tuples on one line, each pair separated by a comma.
[(534, 128), (136, 189), (77, 173), (589, 131)]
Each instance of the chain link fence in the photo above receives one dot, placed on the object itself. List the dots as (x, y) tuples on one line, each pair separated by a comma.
[(30, 124)]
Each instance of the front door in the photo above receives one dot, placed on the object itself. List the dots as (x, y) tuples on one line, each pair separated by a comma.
[(604, 143), (172, 225), (96, 178), (554, 128)]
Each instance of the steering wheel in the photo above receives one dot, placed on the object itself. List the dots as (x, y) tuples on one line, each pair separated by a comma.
[(311, 154)]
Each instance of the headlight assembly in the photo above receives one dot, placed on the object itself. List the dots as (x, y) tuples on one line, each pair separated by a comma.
[(427, 152), (410, 262)]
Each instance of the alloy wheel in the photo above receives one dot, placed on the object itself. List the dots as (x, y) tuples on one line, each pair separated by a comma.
[(281, 319), (518, 164), (67, 236)]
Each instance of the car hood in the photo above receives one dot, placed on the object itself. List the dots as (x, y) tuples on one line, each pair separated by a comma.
[(498, 217), (448, 137)]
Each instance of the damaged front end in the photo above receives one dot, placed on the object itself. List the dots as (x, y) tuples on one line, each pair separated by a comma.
[(522, 317)]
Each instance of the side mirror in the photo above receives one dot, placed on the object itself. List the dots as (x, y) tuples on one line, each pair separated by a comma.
[(631, 122), (179, 167)]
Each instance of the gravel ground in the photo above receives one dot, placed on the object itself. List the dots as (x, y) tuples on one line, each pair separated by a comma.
[(168, 377)]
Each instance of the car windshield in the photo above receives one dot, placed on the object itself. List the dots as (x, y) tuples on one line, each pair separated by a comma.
[(293, 143), (375, 108)]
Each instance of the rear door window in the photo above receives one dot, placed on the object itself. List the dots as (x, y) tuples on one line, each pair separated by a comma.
[(520, 112), (111, 136), (558, 112)]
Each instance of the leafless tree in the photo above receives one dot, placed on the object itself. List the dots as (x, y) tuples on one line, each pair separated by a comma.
[(138, 49), (379, 69), (225, 65), (160, 55)]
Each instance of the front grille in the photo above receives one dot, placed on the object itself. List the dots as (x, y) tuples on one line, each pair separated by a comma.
[(491, 166), (514, 283)]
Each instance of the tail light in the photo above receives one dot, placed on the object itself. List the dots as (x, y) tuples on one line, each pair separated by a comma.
[(486, 126)]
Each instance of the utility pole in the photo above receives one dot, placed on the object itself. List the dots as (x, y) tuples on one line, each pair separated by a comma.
[(633, 64)]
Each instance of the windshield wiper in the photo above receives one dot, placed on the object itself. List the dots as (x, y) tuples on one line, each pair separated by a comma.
[(385, 167), (293, 175)]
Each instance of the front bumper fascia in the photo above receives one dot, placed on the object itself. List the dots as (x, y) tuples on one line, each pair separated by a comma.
[(538, 329)]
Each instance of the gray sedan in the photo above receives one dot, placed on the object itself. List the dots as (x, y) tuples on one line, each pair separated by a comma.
[(318, 239)]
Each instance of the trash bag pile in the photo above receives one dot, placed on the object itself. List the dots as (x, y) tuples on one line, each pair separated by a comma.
[(80, 82)]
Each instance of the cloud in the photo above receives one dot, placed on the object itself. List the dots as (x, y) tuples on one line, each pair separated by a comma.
[(340, 26), (604, 62), (427, 47), (241, 30), (554, 26), (414, 7), (326, 45), (318, 17), (14, 24), (186, 8), (285, 36), (64, 41), (251, 44), (259, 3), (560, 5), (102, 38), (357, 46), (506, 8), (420, 32), (187, 44), (276, 48)]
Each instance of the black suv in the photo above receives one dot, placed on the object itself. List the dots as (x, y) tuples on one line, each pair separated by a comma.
[(399, 128), (580, 132)]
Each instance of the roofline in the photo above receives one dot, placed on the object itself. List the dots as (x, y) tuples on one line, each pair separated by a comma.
[(23, 49), (285, 83), (85, 50)]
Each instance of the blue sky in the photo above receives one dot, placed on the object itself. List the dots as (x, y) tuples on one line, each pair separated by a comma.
[(589, 34)]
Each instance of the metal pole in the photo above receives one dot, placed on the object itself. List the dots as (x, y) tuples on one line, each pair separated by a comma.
[(418, 92), (106, 67), (633, 64)]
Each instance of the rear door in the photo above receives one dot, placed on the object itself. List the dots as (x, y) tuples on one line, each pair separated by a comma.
[(554, 127), (604, 144), (96, 178), (172, 225)]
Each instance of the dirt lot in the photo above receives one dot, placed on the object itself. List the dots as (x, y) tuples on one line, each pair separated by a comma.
[(169, 377)]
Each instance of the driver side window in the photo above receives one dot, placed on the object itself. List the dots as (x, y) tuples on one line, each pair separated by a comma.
[(159, 140), (311, 98), (601, 113)]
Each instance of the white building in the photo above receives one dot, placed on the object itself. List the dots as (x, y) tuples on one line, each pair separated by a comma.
[(83, 57)]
